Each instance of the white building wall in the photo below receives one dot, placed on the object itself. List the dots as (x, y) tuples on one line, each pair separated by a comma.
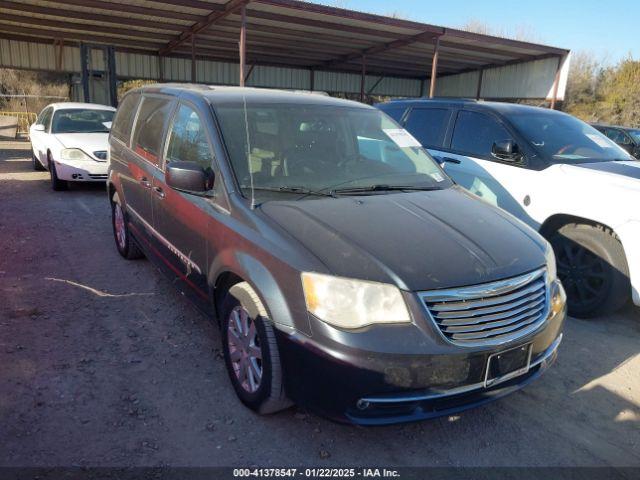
[(526, 80), (522, 80)]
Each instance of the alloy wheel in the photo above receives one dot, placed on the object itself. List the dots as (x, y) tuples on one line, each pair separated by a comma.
[(583, 273), (244, 349), (118, 221)]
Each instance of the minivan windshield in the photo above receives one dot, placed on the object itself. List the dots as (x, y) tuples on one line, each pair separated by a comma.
[(81, 120), (312, 149), (562, 138)]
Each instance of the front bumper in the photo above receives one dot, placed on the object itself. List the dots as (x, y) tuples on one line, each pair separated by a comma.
[(82, 171), (381, 410), (408, 377)]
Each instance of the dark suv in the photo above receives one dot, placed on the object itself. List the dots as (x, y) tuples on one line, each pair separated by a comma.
[(628, 138), (346, 270)]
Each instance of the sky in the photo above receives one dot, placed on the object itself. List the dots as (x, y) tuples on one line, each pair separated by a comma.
[(610, 30)]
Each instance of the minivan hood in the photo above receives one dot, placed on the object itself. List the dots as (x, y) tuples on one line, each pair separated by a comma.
[(88, 142), (418, 240)]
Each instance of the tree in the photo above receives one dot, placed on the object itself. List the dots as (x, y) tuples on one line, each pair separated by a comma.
[(621, 94), (600, 93)]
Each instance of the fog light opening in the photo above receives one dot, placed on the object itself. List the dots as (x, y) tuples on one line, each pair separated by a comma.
[(362, 404)]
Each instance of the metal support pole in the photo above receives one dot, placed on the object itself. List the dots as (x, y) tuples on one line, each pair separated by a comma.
[(363, 77), (312, 79), (84, 68), (479, 87), (434, 68), (112, 75), (243, 43), (556, 82), (193, 58), (60, 44), (161, 68)]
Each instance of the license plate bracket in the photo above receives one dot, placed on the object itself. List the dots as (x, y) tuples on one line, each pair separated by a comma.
[(507, 364)]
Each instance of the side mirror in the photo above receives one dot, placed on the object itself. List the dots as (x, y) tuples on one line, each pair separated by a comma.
[(506, 150), (38, 127), (188, 177)]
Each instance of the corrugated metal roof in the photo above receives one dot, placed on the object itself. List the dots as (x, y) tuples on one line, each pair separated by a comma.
[(281, 33)]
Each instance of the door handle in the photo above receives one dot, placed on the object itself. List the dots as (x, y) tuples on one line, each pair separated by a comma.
[(159, 192), (145, 183)]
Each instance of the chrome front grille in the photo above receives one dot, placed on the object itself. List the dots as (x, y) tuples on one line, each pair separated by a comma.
[(491, 313)]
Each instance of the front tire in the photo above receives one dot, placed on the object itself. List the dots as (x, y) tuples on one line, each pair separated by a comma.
[(125, 243), (251, 352), (593, 269), (56, 184)]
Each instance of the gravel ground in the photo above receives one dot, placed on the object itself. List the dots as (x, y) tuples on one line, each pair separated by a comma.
[(103, 363)]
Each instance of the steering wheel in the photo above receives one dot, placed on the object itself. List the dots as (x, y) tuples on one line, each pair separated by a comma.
[(300, 158)]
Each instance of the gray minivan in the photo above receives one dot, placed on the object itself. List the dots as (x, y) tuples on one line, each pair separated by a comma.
[(347, 272)]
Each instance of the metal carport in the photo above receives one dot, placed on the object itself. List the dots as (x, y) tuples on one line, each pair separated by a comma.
[(277, 43)]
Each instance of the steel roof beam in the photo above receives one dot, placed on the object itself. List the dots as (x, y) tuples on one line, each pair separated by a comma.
[(508, 42), (83, 37), (56, 24), (310, 22), (230, 7), (166, 15), (402, 42), (291, 33), (87, 16)]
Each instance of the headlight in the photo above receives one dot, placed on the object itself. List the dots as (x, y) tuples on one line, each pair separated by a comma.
[(351, 303), (551, 263), (74, 154)]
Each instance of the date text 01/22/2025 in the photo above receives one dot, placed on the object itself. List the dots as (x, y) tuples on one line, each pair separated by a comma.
[(316, 472)]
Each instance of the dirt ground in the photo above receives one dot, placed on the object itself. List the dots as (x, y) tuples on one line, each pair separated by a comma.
[(102, 363)]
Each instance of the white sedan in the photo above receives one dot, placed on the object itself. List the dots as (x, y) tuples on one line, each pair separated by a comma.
[(71, 141)]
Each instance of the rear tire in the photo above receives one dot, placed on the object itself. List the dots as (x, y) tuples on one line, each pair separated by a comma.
[(593, 269), (125, 243), (249, 346), (37, 166), (56, 184)]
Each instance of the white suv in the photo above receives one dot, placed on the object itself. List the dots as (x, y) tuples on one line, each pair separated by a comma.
[(555, 173)]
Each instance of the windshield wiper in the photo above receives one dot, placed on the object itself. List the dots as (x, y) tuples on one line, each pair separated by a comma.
[(383, 188), (286, 189)]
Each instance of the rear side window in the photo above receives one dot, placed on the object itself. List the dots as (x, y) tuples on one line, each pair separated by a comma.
[(428, 125), (188, 139), (394, 112), (475, 133), (121, 128), (617, 136), (152, 120)]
